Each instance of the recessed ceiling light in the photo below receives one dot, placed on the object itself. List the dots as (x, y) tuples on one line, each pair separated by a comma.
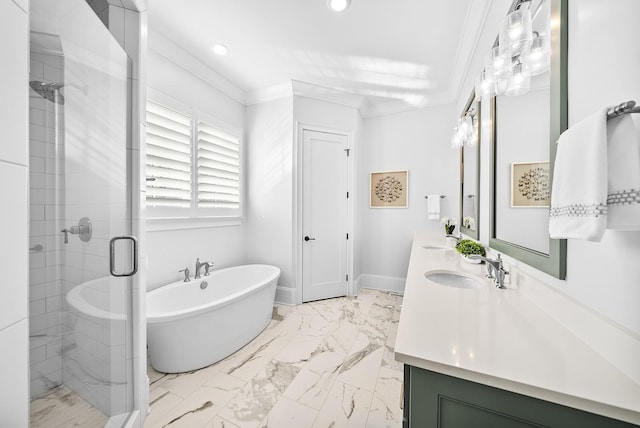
[(220, 49), (339, 5)]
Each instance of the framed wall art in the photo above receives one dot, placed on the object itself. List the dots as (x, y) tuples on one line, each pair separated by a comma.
[(530, 184), (389, 189)]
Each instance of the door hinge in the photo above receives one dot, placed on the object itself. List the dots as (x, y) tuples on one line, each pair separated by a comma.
[(348, 151)]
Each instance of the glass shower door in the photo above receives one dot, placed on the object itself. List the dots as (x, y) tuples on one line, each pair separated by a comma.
[(86, 204)]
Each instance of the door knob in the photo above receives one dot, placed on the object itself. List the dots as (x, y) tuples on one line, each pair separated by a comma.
[(306, 238)]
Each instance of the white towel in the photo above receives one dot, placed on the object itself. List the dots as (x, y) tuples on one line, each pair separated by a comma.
[(623, 157), (579, 192), (433, 207)]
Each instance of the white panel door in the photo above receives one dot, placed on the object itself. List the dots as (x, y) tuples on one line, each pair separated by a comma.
[(324, 216)]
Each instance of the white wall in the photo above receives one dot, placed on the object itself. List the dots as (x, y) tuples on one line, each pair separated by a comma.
[(272, 171), (603, 64), (269, 210), (14, 357), (170, 251), (417, 141)]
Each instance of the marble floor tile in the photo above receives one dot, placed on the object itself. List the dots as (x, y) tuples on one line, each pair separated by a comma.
[(161, 402), (218, 422), (259, 395), (362, 365), (288, 413), (328, 363), (385, 410), (346, 406), (202, 405), (62, 408)]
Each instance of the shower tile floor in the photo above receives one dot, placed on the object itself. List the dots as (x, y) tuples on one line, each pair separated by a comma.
[(321, 364), (62, 408)]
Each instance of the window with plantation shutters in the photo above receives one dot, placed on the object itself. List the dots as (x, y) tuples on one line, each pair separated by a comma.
[(218, 168), (193, 165), (168, 160)]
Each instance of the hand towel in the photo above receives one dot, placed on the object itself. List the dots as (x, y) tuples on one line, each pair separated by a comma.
[(433, 207), (579, 192), (623, 189)]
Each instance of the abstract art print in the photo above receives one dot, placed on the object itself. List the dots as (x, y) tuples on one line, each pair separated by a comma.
[(389, 189), (530, 184)]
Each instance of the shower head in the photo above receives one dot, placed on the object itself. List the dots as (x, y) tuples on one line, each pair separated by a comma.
[(48, 90)]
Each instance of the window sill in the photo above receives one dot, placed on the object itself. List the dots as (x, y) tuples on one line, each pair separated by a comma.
[(180, 223)]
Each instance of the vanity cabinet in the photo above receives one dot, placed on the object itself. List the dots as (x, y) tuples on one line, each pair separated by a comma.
[(434, 400)]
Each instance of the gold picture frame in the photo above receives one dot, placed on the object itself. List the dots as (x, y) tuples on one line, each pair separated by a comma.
[(389, 189), (530, 187)]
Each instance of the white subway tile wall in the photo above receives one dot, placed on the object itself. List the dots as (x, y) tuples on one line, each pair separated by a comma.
[(45, 298)]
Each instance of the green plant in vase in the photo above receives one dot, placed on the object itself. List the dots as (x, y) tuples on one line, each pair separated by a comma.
[(467, 247), (449, 224)]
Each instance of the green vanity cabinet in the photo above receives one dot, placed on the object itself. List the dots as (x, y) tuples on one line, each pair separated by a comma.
[(434, 400)]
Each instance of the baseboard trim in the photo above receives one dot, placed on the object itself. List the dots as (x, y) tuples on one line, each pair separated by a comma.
[(285, 295), (380, 282)]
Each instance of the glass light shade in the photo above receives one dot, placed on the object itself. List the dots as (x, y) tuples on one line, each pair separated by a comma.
[(456, 139), (515, 32), (498, 63), (520, 81), (537, 59), (466, 127), (485, 86)]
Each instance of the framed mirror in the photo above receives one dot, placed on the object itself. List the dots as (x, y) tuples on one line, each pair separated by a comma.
[(526, 126), (470, 171)]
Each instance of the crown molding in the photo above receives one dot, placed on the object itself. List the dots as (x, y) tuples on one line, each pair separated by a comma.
[(184, 59), (400, 106), (271, 93), (136, 5), (474, 24)]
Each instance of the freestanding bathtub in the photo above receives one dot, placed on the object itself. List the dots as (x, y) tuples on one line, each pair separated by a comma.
[(193, 324)]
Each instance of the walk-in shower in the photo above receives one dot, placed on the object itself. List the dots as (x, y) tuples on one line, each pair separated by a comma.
[(79, 201)]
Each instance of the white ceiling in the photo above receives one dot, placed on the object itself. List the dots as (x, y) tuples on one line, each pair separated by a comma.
[(413, 52)]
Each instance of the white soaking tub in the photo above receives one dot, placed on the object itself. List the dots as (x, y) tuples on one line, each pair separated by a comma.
[(193, 324)]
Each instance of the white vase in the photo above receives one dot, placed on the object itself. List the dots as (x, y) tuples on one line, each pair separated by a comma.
[(473, 261)]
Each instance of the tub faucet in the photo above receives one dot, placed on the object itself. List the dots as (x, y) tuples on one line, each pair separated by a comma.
[(186, 274), (493, 266), (199, 265)]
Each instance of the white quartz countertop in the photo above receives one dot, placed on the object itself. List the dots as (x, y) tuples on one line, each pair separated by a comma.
[(501, 339)]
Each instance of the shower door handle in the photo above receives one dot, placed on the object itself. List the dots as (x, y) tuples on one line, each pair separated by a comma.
[(112, 255)]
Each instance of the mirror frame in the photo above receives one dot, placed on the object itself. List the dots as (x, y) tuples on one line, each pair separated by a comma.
[(475, 234), (554, 263)]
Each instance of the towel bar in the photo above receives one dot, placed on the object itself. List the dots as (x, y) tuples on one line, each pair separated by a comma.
[(622, 108)]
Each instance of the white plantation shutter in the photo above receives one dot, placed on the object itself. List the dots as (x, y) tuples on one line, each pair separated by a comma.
[(218, 168), (195, 163), (168, 158)]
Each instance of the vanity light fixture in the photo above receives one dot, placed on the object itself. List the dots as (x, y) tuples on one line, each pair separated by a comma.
[(538, 59), (220, 49), (515, 33), (485, 86), (519, 82), (338, 5), (517, 54), (464, 133)]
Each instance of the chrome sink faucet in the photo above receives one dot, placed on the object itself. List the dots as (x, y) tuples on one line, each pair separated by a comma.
[(200, 265), (186, 274), (493, 265), (457, 238)]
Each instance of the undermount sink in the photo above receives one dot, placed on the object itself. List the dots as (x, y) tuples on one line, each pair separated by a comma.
[(454, 279), (435, 247)]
